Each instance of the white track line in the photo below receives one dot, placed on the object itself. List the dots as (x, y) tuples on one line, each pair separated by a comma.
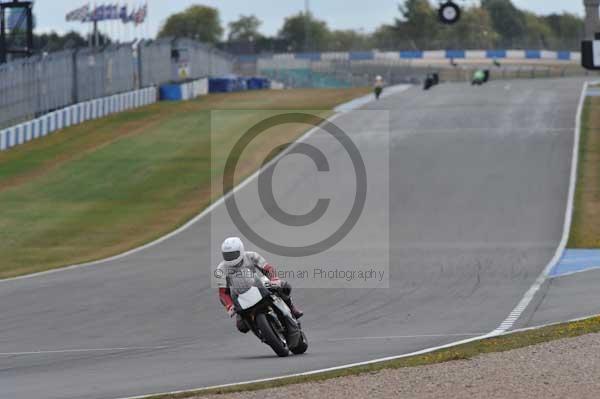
[(504, 326), (340, 110), (406, 336), (66, 351), (518, 330), (307, 373), (529, 295), (586, 270)]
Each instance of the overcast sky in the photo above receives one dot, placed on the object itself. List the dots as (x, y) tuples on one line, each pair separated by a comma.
[(339, 14)]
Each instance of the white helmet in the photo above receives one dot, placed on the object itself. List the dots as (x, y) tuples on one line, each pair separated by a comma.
[(233, 251), (379, 77)]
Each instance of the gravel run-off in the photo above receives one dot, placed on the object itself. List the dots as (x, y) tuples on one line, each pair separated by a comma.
[(567, 368)]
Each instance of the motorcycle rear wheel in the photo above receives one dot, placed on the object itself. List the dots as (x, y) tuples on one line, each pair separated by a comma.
[(270, 336)]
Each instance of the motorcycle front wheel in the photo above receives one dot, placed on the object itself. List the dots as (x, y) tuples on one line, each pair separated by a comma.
[(302, 346), (270, 336)]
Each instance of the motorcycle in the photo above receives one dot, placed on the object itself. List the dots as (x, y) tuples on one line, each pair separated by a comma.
[(432, 79), (265, 313), (378, 91)]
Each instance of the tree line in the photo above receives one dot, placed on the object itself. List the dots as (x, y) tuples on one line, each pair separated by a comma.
[(492, 24)]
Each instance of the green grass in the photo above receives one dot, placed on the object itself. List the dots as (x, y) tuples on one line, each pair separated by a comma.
[(585, 230), (459, 352), (109, 185)]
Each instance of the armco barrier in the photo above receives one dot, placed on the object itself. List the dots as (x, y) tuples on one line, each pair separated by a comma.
[(416, 54), (225, 84), (184, 91), (232, 83), (258, 83), (73, 115)]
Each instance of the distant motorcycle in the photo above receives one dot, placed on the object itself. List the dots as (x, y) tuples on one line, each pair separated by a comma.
[(431, 80), (480, 77), (265, 313)]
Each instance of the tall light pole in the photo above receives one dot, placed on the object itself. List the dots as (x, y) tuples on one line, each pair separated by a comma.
[(592, 20), (307, 33)]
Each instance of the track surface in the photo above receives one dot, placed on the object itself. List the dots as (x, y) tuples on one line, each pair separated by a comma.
[(479, 181), (565, 298)]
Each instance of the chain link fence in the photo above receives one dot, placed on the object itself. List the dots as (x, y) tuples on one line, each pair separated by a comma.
[(337, 70), (363, 73), (34, 86)]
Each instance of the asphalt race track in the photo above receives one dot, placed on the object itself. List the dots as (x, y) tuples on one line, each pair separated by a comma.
[(479, 179)]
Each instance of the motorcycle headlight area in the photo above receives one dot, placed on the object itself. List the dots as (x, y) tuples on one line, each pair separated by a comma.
[(249, 298)]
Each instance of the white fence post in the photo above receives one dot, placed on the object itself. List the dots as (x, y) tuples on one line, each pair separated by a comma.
[(43, 127), (2, 140), (51, 122), (29, 131), (20, 135)]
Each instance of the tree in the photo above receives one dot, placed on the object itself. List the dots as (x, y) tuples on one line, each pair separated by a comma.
[(294, 33), (386, 38), (473, 31), (508, 21), (348, 40), (196, 22), (417, 28), (419, 21), (52, 41), (538, 34), (568, 29), (245, 29)]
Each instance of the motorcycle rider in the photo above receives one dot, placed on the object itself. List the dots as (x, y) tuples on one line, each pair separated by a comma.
[(234, 257), (378, 86)]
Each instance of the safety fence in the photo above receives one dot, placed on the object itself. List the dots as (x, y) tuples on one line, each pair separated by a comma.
[(44, 83), (73, 115), (275, 60), (359, 68)]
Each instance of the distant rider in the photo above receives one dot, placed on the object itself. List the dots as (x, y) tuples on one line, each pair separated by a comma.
[(378, 87), (479, 77), (235, 257)]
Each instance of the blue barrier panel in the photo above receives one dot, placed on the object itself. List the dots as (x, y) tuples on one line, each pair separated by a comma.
[(456, 54), (257, 83), (223, 85), (308, 56), (241, 84), (533, 54), (411, 54), (495, 53), (170, 92), (361, 55), (564, 55)]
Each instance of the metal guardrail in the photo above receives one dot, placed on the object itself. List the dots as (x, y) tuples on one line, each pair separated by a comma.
[(34, 86)]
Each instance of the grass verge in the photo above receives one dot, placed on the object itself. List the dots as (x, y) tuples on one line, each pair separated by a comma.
[(459, 352), (585, 230), (113, 184)]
